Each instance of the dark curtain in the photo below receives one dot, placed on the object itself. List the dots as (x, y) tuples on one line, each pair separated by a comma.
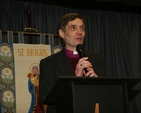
[(115, 35)]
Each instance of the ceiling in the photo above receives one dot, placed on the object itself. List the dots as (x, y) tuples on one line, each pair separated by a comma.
[(118, 5)]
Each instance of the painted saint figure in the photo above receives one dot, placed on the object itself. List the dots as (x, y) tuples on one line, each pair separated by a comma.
[(33, 87)]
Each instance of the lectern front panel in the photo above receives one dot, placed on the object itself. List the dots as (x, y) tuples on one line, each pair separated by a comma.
[(80, 94)]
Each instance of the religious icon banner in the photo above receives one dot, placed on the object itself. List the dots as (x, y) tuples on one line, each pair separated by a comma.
[(27, 58)]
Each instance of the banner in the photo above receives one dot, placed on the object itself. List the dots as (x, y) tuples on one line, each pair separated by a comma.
[(7, 74), (27, 58)]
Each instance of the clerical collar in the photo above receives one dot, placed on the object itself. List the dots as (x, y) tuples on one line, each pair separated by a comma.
[(72, 54)]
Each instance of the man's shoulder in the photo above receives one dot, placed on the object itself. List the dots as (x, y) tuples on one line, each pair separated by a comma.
[(92, 53), (53, 56)]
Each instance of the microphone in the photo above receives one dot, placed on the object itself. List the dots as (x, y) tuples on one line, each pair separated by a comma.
[(80, 50)]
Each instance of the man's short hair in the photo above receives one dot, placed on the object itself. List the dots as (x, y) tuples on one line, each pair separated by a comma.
[(66, 18)]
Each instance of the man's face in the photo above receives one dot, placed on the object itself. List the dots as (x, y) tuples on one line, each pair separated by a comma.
[(74, 34)]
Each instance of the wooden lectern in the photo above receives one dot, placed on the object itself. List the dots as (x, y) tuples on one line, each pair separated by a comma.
[(82, 94)]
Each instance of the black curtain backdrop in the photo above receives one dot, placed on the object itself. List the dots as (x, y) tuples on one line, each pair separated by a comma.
[(115, 35)]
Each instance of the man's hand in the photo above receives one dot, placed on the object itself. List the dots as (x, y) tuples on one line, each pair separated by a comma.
[(84, 63)]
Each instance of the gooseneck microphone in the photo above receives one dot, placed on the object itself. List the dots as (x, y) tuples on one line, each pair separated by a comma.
[(80, 50)]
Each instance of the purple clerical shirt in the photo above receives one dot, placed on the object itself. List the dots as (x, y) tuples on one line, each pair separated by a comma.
[(73, 57)]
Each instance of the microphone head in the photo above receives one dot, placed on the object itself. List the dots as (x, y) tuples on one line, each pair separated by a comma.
[(79, 47), (80, 50)]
